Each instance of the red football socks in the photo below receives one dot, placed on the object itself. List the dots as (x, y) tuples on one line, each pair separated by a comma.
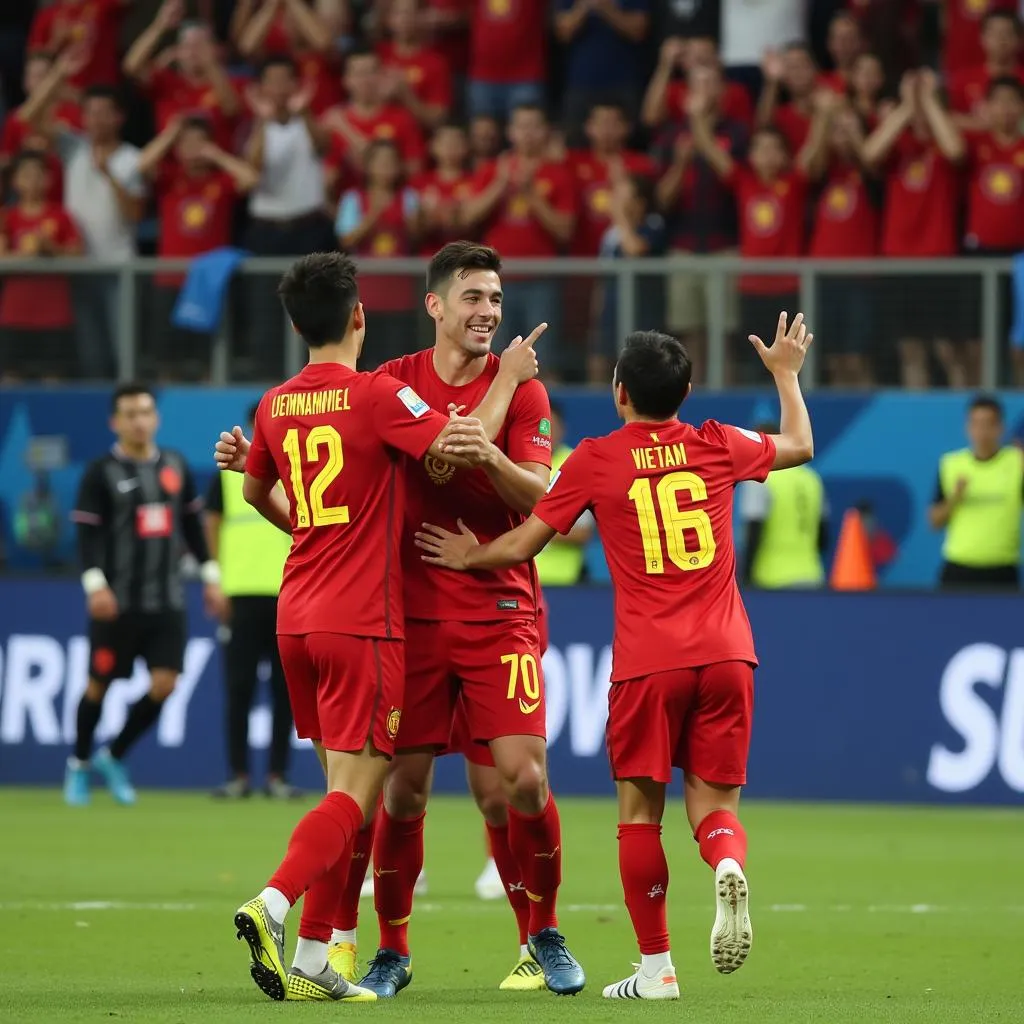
[(397, 862), (511, 877), (536, 844), (321, 903), (353, 874), (644, 873), (720, 836), (317, 844)]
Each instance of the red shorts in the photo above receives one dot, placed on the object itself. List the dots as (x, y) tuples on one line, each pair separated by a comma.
[(491, 669), (344, 690), (697, 719), (461, 742)]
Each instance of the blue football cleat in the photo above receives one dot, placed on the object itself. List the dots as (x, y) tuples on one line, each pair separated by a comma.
[(76, 783), (389, 973), (115, 776), (562, 974)]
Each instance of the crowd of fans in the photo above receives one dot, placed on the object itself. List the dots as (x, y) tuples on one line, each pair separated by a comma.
[(623, 128)]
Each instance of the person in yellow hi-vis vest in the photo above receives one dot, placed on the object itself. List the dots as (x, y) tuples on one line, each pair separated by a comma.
[(560, 564), (786, 527), (978, 500), (251, 554)]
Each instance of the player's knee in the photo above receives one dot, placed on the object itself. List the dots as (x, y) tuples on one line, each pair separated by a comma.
[(526, 787), (493, 806), (406, 794)]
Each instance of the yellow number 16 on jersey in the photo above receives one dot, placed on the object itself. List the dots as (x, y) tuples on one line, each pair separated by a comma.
[(675, 521), (319, 437)]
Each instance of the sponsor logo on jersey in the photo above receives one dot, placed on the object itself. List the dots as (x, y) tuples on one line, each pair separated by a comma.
[(412, 402), (541, 442), (544, 427)]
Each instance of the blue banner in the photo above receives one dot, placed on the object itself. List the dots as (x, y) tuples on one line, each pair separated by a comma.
[(882, 697)]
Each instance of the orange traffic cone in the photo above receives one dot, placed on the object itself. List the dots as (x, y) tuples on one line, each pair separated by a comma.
[(853, 568)]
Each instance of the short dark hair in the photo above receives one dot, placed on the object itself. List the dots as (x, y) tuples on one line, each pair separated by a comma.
[(129, 390), (460, 258), (363, 50), (1000, 15), (537, 108), (319, 293), (279, 60), (776, 133), (29, 156), (655, 370), (197, 122), (103, 92), (798, 45), (609, 103), (1005, 82), (645, 189), (989, 402)]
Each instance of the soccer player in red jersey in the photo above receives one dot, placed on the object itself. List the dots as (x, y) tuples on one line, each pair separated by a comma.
[(334, 438), (661, 492)]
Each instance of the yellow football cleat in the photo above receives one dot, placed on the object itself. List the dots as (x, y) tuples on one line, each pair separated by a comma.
[(328, 985), (342, 957), (526, 976), (265, 939)]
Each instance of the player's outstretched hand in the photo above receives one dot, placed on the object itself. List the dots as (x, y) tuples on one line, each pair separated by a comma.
[(445, 548), (520, 358), (231, 451), (787, 352), (466, 438)]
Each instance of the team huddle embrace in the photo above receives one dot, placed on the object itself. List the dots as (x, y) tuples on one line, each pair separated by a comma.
[(409, 621)]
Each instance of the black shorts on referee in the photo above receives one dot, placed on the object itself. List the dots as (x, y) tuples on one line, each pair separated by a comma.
[(156, 637)]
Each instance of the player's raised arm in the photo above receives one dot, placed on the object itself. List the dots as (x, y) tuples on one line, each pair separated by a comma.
[(795, 444), (518, 364), (462, 550)]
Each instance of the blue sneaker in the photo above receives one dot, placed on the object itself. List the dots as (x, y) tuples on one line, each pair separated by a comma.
[(115, 776), (562, 974), (76, 783), (389, 973)]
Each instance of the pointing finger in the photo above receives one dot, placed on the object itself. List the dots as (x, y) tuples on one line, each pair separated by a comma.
[(535, 334)]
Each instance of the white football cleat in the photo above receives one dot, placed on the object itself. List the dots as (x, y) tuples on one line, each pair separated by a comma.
[(732, 935), (489, 885), (639, 986), (367, 890)]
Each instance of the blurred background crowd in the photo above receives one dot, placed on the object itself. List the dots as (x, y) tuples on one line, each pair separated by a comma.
[(617, 128)]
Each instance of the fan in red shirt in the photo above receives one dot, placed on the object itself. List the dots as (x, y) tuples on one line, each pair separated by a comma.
[(444, 189), (683, 657), (666, 96), (295, 29), (94, 24), (771, 195), (418, 77), (37, 122), (846, 225), (961, 31), (195, 84), (607, 128), (845, 44), (367, 116), (867, 80), (508, 59), (995, 165), (335, 439), (795, 71), (35, 312), (918, 147), (1000, 40)]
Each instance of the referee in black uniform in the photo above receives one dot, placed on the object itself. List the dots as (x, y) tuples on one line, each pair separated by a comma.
[(137, 510)]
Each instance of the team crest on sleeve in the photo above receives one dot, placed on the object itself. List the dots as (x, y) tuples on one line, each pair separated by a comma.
[(544, 427), (394, 717), (412, 401), (554, 480), (751, 434)]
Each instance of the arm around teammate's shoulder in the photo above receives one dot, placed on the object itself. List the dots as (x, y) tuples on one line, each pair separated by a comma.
[(794, 444)]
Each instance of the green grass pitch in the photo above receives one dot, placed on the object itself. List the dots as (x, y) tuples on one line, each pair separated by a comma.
[(860, 914)]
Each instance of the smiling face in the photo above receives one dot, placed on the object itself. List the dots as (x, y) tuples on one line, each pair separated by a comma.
[(467, 310)]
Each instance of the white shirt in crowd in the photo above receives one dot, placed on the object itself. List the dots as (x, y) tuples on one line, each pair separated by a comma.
[(749, 27), (90, 199), (292, 182)]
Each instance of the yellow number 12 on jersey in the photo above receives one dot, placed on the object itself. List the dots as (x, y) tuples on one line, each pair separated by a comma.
[(322, 436), (675, 520)]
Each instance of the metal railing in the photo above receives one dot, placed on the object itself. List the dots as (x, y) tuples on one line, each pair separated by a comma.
[(133, 320)]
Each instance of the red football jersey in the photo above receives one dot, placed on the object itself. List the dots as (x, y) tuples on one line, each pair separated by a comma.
[(94, 23), (922, 200), (508, 41), (426, 71), (440, 494), (390, 122), (594, 188), (735, 104), (968, 88), (173, 94), (961, 31), (662, 497), (995, 193), (845, 219), (446, 194), (794, 125), (333, 437), (512, 229)]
